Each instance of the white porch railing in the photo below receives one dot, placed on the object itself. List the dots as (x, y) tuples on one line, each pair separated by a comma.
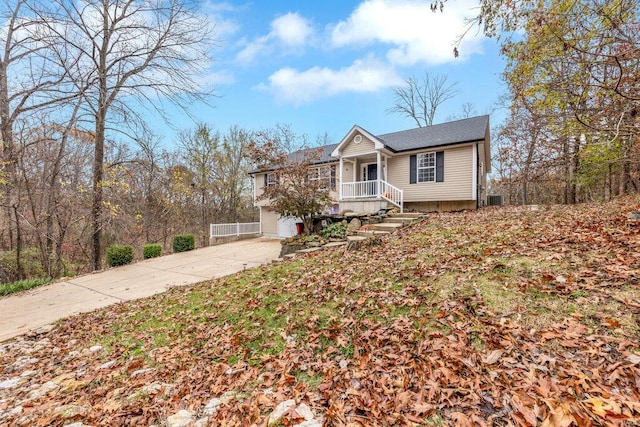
[(392, 194), (374, 188), (359, 190), (234, 229)]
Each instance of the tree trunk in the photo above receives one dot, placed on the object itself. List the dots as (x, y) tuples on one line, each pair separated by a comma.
[(96, 206)]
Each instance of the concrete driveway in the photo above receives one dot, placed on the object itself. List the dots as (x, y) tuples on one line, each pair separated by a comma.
[(37, 307)]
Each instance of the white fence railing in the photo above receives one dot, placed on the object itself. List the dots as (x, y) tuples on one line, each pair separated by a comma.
[(234, 229), (375, 188), (392, 194), (360, 189)]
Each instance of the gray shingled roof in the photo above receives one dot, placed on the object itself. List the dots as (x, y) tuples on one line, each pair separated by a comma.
[(456, 132), (324, 157), (459, 131)]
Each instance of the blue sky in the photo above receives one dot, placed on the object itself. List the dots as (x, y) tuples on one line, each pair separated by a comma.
[(323, 66)]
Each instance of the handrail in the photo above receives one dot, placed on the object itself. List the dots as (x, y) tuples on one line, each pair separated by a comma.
[(375, 188)]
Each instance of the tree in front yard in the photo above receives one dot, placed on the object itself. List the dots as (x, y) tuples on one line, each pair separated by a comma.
[(297, 187)]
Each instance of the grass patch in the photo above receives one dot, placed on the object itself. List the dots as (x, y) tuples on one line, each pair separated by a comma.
[(22, 285)]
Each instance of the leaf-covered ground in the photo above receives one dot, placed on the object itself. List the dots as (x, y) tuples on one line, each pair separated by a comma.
[(502, 316)]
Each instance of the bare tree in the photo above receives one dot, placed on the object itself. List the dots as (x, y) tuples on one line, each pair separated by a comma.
[(419, 99), (199, 150), (132, 54), (30, 79)]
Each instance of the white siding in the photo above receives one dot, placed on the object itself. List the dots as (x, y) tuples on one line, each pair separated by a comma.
[(457, 177)]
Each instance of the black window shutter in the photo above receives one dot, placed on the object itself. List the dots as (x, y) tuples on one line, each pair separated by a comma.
[(440, 166), (265, 179), (413, 169)]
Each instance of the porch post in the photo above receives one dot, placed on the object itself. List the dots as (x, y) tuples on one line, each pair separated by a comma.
[(340, 178), (379, 166)]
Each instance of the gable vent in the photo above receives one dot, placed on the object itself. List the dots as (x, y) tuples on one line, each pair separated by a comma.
[(357, 139)]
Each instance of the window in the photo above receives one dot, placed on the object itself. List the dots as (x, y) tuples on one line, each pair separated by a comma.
[(326, 175), (427, 167), (270, 178)]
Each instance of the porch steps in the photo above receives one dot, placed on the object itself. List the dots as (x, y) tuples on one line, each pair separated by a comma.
[(399, 219), (406, 215), (388, 226), (372, 233)]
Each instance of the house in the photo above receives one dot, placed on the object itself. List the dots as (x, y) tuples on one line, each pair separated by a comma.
[(435, 168)]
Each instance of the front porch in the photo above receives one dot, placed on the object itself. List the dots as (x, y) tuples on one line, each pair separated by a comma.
[(363, 186), (369, 196)]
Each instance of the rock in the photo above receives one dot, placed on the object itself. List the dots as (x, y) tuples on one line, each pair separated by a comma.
[(353, 226), (42, 390), (42, 330), (68, 382), (280, 410), (305, 412), (11, 413), (141, 371), (78, 424), (95, 348), (10, 383), (71, 411), (212, 407), (148, 390), (291, 339), (355, 242), (182, 418), (200, 422), (289, 249), (21, 362), (107, 365)]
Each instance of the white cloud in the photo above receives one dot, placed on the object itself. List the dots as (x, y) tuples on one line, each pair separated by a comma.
[(415, 33), (224, 27), (291, 29), (301, 87), (289, 32)]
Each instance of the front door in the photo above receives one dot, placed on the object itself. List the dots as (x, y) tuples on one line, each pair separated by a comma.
[(372, 172), (371, 175)]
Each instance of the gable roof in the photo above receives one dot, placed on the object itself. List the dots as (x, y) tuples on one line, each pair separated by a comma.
[(324, 156), (456, 132)]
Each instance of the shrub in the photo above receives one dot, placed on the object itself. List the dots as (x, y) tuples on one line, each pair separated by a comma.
[(336, 230), (22, 285), (183, 243), (119, 255), (151, 250), (30, 260)]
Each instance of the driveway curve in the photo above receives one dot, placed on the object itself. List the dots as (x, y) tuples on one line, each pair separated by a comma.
[(20, 313)]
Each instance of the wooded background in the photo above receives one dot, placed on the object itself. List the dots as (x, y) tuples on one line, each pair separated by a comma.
[(81, 169)]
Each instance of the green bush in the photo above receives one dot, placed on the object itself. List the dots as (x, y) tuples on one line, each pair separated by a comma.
[(22, 285), (336, 230), (151, 250), (119, 255), (30, 260), (183, 243)]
